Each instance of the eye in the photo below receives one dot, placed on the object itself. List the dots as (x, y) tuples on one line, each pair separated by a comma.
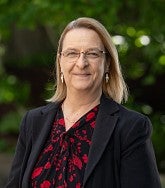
[(93, 54), (70, 54)]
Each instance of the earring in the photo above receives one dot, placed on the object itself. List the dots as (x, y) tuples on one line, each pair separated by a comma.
[(106, 77), (62, 77)]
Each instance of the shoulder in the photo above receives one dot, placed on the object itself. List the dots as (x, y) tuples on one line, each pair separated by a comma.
[(129, 122), (37, 113), (33, 116), (130, 115), (111, 107), (43, 109), (133, 126), (133, 118)]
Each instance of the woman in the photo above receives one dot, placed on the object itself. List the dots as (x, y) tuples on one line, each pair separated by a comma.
[(84, 137)]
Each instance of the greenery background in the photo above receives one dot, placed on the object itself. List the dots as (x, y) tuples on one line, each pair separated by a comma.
[(29, 31)]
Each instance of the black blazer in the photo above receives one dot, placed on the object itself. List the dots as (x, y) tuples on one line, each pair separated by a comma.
[(121, 154)]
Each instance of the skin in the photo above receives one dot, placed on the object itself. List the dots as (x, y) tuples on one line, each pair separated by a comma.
[(83, 78)]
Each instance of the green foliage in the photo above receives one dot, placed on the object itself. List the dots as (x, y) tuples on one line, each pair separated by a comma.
[(9, 128), (130, 19), (158, 136), (6, 146), (3, 145), (9, 124), (13, 90)]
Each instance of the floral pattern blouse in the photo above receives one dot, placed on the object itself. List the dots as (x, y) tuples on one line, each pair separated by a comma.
[(62, 162)]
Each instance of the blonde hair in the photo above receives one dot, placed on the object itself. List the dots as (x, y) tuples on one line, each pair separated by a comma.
[(116, 86)]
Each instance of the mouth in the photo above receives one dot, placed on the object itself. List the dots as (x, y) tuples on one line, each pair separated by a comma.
[(82, 74)]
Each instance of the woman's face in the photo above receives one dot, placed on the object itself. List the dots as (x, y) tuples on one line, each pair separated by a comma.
[(82, 72)]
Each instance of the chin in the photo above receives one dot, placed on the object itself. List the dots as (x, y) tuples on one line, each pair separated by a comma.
[(83, 87)]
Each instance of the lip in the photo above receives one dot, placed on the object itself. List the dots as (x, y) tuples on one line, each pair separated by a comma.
[(82, 74)]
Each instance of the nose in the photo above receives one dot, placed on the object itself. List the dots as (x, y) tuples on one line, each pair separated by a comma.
[(82, 61)]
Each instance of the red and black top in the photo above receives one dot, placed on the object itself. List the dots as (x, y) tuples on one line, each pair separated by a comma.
[(62, 162)]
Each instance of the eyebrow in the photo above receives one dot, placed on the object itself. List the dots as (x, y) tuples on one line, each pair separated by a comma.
[(70, 49), (92, 48)]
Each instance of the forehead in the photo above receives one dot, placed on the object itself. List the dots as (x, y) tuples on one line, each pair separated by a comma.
[(82, 38)]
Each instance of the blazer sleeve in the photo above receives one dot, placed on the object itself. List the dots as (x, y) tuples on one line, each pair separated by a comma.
[(138, 163), (19, 157)]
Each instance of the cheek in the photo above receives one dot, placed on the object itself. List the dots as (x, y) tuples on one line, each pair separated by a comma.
[(100, 71), (66, 70), (63, 67)]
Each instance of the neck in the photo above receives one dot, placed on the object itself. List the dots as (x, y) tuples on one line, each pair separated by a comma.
[(77, 104), (77, 100)]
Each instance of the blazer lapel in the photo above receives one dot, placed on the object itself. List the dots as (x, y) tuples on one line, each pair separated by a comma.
[(105, 124), (39, 136)]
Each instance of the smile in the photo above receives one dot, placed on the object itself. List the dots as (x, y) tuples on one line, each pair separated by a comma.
[(82, 74)]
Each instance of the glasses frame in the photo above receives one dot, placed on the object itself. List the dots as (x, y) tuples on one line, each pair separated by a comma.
[(62, 53)]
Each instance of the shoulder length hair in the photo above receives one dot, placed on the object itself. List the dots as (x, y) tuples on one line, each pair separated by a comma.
[(116, 86)]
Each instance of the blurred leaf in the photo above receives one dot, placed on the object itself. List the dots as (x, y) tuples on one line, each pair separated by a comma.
[(10, 123), (12, 90)]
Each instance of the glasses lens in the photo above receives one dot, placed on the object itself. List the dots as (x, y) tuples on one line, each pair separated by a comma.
[(70, 54), (93, 54), (73, 55)]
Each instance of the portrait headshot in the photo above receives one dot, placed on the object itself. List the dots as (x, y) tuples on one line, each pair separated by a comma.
[(85, 136)]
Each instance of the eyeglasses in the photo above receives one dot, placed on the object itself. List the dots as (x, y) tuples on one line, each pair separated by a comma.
[(73, 54)]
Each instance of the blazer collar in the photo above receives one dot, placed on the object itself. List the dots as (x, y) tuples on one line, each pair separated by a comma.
[(105, 124)]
